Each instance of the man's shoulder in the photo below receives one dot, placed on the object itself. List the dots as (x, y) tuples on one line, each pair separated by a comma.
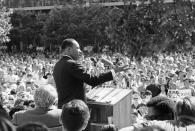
[(20, 114), (65, 60), (55, 111)]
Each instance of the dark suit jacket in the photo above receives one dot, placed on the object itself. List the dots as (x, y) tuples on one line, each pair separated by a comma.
[(70, 76), (50, 118)]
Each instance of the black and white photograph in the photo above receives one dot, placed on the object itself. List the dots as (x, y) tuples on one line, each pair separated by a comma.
[(97, 65)]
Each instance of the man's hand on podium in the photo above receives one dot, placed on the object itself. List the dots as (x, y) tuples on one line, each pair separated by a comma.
[(121, 68)]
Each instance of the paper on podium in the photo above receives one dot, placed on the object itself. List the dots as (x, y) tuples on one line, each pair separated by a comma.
[(107, 95)]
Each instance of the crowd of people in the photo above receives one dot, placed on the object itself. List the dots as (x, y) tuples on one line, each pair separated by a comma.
[(159, 84)]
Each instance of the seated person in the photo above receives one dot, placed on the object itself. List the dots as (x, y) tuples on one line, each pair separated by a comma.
[(185, 118), (43, 112), (75, 115)]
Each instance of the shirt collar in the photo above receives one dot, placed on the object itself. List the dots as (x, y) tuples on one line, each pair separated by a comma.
[(67, 56)]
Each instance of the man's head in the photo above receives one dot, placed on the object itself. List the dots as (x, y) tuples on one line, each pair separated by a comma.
[(161, 108), (71, 48), (75, 115), (45, 96), (186, 107), (154, 88)]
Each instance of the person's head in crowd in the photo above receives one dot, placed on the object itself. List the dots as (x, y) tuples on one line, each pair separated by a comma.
[(161, 80), (18, 102), (152, 128), (13, 92), (146, 95), (185, 111), (160, 108), (4, 87), (136, 99), (32, 126), (45, 96), (75, 115), (154, 88), (189, 70), (6, 125), (109, 127), (29, 104), (21, 87), (152, 80), (187, 82), (181, 75), (71, 48), (171, 84), (143, 79), (28, 70), (9, 71), (29, 77), (11, 99), (21, 95)]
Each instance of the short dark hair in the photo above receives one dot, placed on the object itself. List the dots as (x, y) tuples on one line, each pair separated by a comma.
[(32, 126), (163, 105), (154, 88), (75, 115), (67, 43)]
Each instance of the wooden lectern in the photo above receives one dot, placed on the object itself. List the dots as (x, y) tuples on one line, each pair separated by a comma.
[(109, 105)]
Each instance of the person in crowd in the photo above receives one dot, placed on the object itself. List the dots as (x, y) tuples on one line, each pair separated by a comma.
[(44, 112), (136, 100), (75, 115), (32, 126), (160, 108), (184, 118), (70, 76), (109, 127), (6, 125), (154, 88), (190, 90)]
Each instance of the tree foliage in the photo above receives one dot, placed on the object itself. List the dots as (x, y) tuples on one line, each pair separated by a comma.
[(27, 28), (143, 28), (5, 25)]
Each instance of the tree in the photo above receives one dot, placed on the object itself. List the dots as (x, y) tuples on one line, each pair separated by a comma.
[(87, 25), (152, 26), (5, 25), (27, 28)]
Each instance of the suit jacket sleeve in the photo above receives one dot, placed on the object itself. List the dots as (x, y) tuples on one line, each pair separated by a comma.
[(78, 71)]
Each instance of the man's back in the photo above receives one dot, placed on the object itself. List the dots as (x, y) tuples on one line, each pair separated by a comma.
[(70, 76), (49, 118), (68, 87)]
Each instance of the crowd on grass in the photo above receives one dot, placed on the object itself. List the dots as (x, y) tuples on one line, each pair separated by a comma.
[(159, 85)]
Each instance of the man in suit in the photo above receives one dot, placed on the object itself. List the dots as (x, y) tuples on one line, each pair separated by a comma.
[(70, 76)]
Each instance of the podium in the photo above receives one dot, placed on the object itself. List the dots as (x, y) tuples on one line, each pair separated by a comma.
[(109, 106)]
